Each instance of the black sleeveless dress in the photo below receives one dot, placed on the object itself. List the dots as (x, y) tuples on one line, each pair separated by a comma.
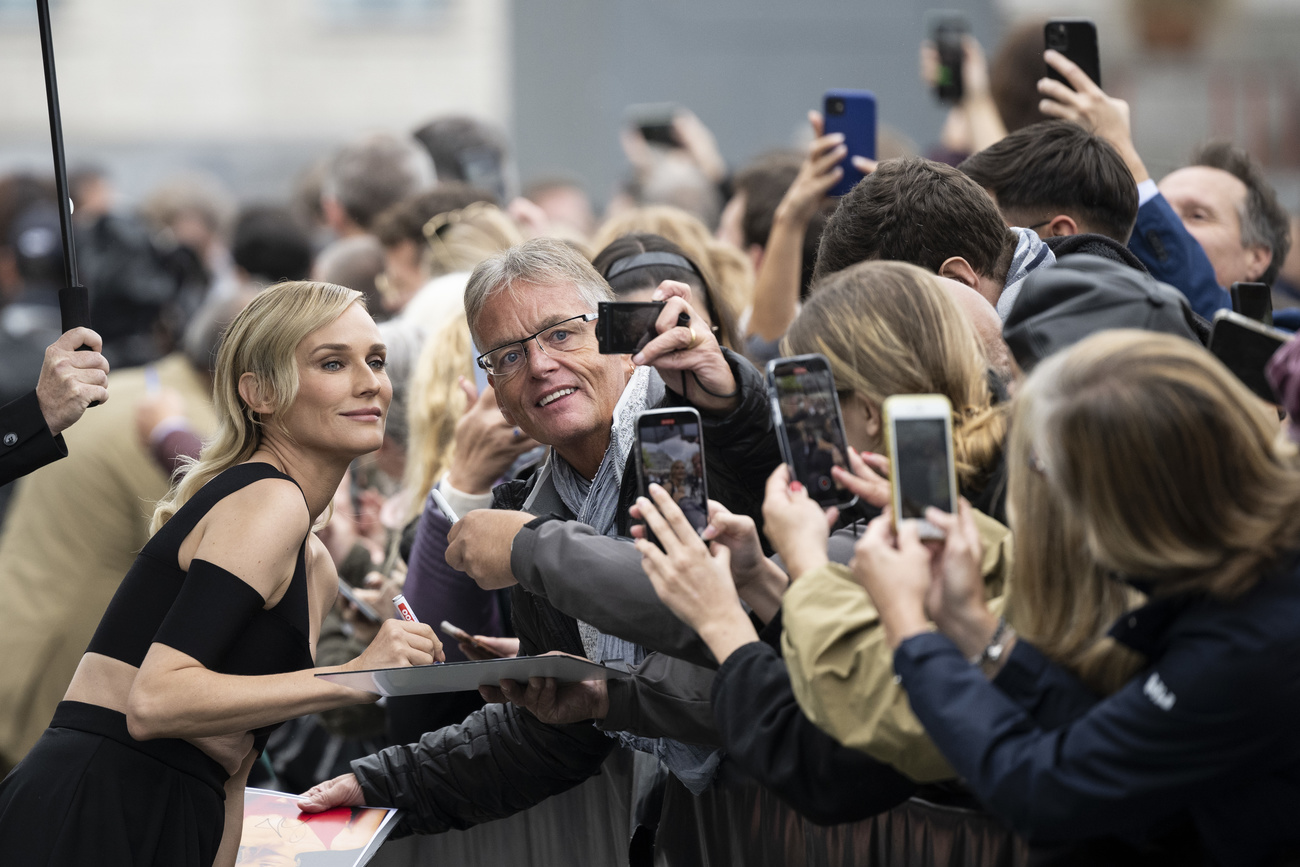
[(90, 794)]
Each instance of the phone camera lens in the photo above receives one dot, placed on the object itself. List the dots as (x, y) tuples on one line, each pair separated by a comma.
[(1056, 37), (835, 105)]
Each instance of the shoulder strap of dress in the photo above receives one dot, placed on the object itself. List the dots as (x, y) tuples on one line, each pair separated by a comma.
[(217, 489)]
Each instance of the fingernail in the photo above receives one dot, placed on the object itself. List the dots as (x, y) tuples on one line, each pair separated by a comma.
[(837, 136), (796, 486), (639, 358), (657, 295)]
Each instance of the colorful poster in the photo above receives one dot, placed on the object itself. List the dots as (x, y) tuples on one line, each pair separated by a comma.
[(276, 834)]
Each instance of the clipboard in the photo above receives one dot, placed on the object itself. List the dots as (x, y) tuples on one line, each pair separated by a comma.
[(470, 675)]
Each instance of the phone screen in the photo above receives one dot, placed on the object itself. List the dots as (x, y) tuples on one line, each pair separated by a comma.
[(922, 473), (1246, 352), (625, 327), (672, 456), (813, 432)]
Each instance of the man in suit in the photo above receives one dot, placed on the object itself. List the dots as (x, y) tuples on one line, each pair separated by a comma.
[(31, 427)]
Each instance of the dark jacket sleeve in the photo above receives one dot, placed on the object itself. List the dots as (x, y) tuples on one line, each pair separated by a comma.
[(664, 698), (766, 734), (497, 762), (599, 580), (26, 443), (1173, 256)]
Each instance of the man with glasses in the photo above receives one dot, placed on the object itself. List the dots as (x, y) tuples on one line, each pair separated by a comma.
[(583, 592)]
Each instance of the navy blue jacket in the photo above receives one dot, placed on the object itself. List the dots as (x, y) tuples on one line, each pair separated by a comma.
[(1173, 256), (1211, 728)]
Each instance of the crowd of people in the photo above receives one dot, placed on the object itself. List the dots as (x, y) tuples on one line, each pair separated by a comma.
[(393, 384)]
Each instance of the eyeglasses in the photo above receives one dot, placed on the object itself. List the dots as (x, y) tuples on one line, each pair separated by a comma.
[(572, 334)]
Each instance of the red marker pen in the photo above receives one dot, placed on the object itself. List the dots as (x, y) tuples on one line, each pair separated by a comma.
[(404, 608)]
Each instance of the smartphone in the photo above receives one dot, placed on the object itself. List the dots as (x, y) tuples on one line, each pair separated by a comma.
[(464, 637), (918, 435), (852, 112), (1076, 38), (946, 32), (346, 591), (670, 453), (810, 429), (1253, 300), (655, 121), (1245, 347), (625, 327)]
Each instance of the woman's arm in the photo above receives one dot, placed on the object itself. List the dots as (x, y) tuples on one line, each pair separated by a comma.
[(248, 545)]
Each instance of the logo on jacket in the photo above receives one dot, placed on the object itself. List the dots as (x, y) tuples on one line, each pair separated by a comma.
[(1161, 696)]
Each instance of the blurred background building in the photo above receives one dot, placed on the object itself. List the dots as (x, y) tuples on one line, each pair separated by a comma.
[(252, 91)]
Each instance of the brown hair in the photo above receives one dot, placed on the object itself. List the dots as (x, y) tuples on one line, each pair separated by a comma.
[(919, 211), (1058, 167), (1175, 470), (888, 328)]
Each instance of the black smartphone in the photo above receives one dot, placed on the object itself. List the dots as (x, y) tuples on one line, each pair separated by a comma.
[(1253, 300), (853, 113), (1076, 38), (1245, 346), (655, 122), (946, 32), (809, 427), (345, 590), (670, 453), (625, 327)]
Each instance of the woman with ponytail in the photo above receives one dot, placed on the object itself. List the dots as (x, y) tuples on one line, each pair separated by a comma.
[(209, 641)]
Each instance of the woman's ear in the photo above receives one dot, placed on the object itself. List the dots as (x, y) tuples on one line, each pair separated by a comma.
[(874, 421), (254, 395)]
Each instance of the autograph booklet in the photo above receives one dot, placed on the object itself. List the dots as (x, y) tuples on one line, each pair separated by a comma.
[(275, 832)]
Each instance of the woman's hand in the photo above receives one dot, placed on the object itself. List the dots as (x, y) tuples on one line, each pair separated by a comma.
[(819, 172), (869, 479), (739, 535), (956, 599), (690, 579), (400, 643), (486, 445), (895, 570), (342, 791), (497, 647), (795, 524), (682, 350)]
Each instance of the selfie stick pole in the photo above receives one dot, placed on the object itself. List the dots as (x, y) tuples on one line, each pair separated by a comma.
[(74, 303)]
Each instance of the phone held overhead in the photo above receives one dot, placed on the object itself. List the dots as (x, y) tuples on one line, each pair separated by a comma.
[(853, 113), (947, 28), (918, 436), (1253, 300), (670, 453), (810, 428), (1076, 38)]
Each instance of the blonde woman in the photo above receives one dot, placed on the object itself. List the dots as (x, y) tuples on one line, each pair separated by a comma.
[(1181, 488), (209, 641)]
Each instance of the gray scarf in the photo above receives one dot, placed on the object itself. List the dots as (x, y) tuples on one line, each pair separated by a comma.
[(1031, 253), (595, 503)]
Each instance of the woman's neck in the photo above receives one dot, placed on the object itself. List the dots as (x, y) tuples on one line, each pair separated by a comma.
[(318, 475)]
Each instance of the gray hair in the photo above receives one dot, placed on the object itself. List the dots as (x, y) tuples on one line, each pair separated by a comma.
[(372, 174), (540, 262)]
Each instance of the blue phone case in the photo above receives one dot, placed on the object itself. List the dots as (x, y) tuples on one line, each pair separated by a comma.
[(858, 123)]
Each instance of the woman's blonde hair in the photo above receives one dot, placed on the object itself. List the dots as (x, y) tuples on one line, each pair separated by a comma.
[(460, 239), (889, 328), (727, 270), (1058, 597), (436, 404), (1175, 471), (262, 340)]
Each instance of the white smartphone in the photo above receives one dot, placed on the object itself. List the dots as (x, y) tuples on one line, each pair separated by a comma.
[(918, 433)]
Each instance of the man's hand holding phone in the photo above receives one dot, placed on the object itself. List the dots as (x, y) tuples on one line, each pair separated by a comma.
[(481, 646), (689, 351)]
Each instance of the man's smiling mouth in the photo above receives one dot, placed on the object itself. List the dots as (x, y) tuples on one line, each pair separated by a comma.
[(555, 395)]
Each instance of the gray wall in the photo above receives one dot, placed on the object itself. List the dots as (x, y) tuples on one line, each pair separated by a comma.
[(750, 69)]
